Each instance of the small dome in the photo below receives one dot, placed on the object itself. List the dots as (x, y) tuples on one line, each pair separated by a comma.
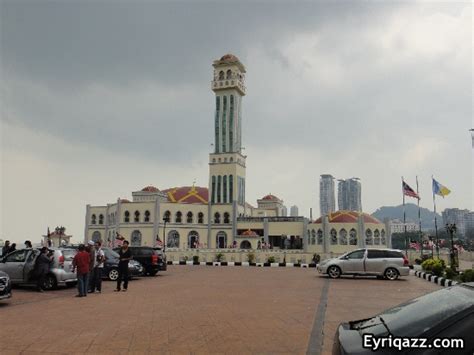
[(124, 200), (249, 233), (229, 58), (270, 197), (349, 217), (150, 189)]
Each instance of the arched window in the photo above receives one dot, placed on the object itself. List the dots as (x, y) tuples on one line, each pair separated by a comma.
[(343, 237), (221, 75), (193, 239), (200, 217), (96, 236), (376, 237), (320, 237), (229, 74), (179, 217), (136, 239), (137, 217), (224, 188), (101, 219), (231, 124), (217, 218), (219, 178), (245, 244), (231, 187), (147, 216), (189, 217), (333, 234), (213, 190), (224, 123), (368, 237), (353, 237), (313, 237), (383, 240), (93, 219), (126, 217), (221, 240), (167, 216), (173, 239), (226, 217)]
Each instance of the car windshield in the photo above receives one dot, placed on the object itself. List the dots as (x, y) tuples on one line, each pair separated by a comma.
[(417, 316), (109, 253)]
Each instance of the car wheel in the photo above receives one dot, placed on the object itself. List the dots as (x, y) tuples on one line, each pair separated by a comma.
[(391, 274), (334, 272), (50, 283), (113, 275)]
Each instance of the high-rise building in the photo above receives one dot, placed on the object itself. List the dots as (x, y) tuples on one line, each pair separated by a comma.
[(327, 200), (294, 211), (349, 195), (284, 211), (464, 219)]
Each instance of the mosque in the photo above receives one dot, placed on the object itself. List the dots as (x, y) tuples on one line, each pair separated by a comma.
[(219, 216)]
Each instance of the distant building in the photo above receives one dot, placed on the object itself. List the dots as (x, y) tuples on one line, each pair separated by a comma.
[(464, 219), (327, 200), (284, 211), (397, 226), (349, 195), (294, 211)]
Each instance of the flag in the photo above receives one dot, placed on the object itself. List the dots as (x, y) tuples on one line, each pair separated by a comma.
[(415, 245), (408, 191), (439, 189)]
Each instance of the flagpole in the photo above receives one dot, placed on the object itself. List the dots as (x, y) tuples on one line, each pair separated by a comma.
[(419, 217), (404, 221), (436, 222)]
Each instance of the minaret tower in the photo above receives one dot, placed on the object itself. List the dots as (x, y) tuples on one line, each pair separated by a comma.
[(226, 163)]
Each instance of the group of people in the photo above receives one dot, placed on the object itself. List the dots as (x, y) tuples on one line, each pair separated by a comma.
[(264, 245), (89, 263), (7, 248)]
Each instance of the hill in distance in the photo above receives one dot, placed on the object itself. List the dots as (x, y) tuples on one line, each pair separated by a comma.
[(411, 211)]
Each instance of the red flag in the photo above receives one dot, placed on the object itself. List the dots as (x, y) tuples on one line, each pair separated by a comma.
[(408, 191)]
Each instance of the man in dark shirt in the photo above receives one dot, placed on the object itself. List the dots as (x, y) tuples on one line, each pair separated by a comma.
[(42, 264), (81, 263), (6, 248), (125, 257)]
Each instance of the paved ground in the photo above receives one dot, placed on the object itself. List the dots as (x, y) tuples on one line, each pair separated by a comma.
[(200, 310)]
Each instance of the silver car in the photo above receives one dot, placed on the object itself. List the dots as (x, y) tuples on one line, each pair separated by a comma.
[(389, 263), (19, 265)]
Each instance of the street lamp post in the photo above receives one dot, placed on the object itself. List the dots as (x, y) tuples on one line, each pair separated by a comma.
[(451, 229), (164, 234)]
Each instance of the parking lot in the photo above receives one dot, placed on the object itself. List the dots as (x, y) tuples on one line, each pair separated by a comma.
[(199, 310)]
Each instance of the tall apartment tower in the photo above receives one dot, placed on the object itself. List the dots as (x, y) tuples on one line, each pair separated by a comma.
[(294, 211), (349, 194), (327, 199)]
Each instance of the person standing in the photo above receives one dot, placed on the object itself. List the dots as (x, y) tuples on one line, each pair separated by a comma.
[(41, 269), (28, 244), (125, 256), (91, 250), (81, 264), (6, 248), (12, 248), (98, 267)]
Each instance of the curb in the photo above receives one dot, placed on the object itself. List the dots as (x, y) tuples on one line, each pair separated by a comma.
[(441, 281), (238, 263)]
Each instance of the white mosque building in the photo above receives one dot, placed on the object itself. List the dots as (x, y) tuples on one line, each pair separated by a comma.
[(218, 216)]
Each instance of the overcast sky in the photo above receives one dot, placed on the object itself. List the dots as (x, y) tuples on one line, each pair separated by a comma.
[(102, 98)]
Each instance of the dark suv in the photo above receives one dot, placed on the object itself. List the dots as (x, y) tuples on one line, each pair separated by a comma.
[(146, 256), (162, 263)]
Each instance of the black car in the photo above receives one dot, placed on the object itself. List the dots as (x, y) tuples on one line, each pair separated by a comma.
[(147, 256), (445, 314), (5, 286), (162, 263), (110, 270)]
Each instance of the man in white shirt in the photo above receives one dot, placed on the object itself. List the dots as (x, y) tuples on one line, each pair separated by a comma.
[(98, 267)]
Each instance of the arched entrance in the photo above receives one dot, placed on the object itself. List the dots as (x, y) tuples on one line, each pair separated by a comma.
[(173, 239), (136, 238), (96, 236), (221, 240), (193, 239), (245, 244)]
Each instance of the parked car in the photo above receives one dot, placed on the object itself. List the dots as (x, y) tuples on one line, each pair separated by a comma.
[(111, 266), (147, 256), (162, 261), (5, 286), (447, 313), (390, 263), (19, 265)]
